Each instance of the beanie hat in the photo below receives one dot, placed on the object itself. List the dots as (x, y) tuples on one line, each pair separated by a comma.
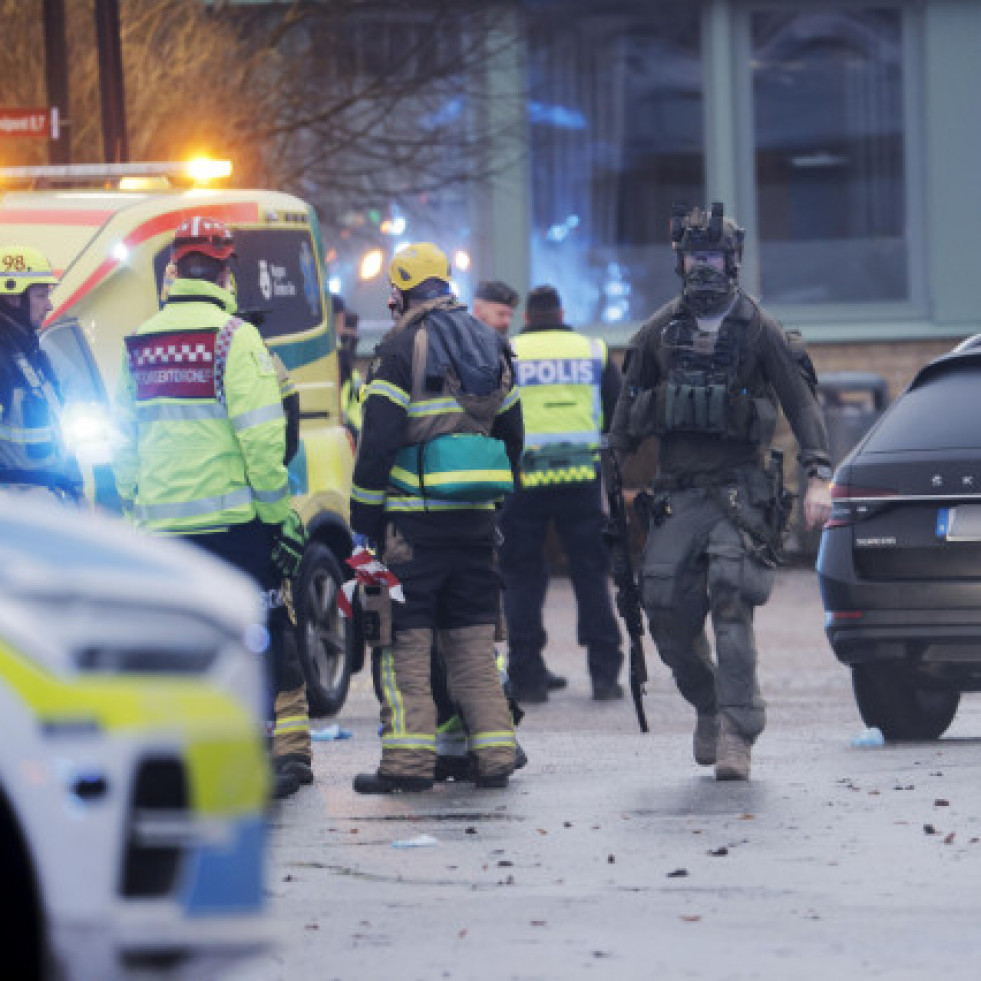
[(494, 291), (543, 306)]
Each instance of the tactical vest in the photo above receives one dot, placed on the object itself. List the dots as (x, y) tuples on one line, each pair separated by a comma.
[(560, 376), (704, 393)]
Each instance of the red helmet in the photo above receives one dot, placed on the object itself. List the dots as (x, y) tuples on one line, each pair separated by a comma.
[(208, 236)]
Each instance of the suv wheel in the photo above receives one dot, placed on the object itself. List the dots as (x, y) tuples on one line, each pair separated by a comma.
[(325, 639), (888, 697)]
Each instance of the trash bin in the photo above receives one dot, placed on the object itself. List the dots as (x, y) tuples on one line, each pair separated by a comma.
[(852, 401)]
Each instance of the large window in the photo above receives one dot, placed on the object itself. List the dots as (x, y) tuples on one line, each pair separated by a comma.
[(616, 138), (831, 170)]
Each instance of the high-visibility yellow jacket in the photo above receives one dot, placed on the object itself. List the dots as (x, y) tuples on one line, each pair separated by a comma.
[(560, 376), (201, 418)]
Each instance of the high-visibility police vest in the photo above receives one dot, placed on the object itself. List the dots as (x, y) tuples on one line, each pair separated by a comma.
[(201, 417), (559, 374)]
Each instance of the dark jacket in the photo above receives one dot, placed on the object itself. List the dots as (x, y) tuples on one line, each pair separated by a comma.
[(31, 447), (385, 430)]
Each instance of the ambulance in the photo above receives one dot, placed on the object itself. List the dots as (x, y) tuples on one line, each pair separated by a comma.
[(133, 778), (107, 231)]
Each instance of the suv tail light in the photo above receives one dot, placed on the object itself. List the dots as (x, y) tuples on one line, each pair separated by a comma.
[(851, 503)]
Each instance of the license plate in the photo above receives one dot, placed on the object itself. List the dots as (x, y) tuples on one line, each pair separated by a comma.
[(960, 524)]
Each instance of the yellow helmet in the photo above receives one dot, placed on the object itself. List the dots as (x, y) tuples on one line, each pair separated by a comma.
[(417, 263), (22, 266)]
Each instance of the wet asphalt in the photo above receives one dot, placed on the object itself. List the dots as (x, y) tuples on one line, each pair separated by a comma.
[(612, 855)]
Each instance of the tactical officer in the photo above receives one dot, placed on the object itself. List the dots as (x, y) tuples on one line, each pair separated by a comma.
[(494, 304), (32, 450), (707, 375), (569, 389), (200, 411), (440, 443)]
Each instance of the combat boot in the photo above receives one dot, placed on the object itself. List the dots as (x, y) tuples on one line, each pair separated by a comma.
[(733, 753), (382, 783), (706, 738)]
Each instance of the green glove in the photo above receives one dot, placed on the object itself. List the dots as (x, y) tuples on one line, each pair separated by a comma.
[(287, 553)]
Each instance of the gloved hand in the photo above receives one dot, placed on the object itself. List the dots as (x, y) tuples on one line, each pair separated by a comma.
[(287, 553)]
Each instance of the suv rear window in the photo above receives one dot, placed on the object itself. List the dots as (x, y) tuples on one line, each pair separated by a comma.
[(940, 414), (276, 279)]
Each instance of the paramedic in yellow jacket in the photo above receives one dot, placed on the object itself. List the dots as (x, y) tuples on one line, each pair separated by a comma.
[(569, 388), (441, 383), (203, 434)]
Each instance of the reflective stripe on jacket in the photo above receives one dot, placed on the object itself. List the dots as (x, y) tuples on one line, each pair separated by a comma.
[(559, 375), (201, 418)]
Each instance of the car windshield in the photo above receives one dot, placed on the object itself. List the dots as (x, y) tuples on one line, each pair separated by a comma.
[(940, 414)]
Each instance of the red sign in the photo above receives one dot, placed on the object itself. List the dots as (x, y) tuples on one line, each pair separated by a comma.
[(41, 123)]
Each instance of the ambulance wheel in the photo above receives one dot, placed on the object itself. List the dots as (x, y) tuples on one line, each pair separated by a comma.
[(325, 639)]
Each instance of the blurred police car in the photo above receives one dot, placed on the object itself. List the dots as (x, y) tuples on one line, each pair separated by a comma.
[(132, 774), (900, 559)]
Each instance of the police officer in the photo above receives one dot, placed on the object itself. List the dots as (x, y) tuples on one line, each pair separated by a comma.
[(203, 435), (707, 375), (440, 382), (569, 389), (32, 451), (494, 304)]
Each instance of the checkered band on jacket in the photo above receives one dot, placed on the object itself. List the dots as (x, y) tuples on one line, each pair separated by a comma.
[(222, 347)]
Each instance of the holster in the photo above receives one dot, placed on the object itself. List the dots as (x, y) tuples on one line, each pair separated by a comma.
[(376, 615)]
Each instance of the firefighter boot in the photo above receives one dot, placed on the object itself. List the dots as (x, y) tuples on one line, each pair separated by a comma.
[(733, 752), (706, 737)]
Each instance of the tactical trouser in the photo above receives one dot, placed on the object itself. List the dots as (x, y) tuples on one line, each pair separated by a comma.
[(451, 596), (698, 562)]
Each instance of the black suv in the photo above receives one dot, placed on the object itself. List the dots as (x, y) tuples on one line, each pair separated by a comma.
[(900, 559)]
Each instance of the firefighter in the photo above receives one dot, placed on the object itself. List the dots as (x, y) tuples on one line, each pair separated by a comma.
[(203, 434), (569, 390), (32, 450), (441, 439), (707, 374)]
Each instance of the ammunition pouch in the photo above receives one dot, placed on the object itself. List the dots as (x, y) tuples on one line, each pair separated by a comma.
[(711, 409)]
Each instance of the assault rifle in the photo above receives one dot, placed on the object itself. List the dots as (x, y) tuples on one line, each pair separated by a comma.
[(628, 594)]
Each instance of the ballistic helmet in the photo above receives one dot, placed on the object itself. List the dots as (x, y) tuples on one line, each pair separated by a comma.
[(706, 231), (22, 266)]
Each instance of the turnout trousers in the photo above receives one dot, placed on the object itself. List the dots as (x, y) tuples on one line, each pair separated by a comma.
[(697, 563), (451, 595), (578, 515)]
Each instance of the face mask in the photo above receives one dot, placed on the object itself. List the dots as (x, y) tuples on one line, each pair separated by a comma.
[(707, 291)]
